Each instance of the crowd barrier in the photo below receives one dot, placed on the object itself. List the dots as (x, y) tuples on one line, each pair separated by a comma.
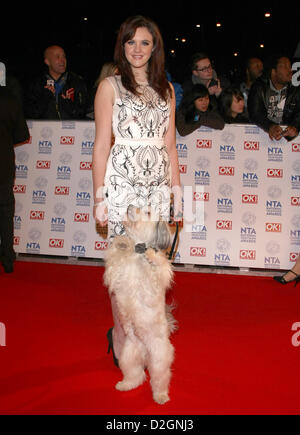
[(247, 186)]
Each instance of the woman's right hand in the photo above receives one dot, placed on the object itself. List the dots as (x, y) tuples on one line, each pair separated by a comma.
[(100, 213)]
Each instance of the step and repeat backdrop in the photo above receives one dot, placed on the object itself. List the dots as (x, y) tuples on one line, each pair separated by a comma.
[(243, 190)]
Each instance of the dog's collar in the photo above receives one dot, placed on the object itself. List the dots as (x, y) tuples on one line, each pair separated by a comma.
[(141, 248)]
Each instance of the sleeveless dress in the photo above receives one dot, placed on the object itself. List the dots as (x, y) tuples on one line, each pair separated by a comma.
[(138, 167)]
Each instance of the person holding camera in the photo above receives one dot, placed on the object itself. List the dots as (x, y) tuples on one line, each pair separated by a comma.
[(59, 94), (203, 73)]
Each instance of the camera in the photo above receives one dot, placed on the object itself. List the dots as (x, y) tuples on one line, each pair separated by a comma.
[(50, 82), (213, 82)]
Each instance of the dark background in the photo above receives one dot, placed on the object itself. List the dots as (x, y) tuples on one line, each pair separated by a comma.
[(28, 29)]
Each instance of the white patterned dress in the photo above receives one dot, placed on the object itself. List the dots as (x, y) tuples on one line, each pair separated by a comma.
[(138, 167)]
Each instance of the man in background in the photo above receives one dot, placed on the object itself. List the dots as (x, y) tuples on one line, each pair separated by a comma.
[(13, 130), (254, 69), (204, 73), (274, 102), (59, 94)]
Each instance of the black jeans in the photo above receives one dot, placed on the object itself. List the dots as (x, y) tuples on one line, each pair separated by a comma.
[(7, 210)]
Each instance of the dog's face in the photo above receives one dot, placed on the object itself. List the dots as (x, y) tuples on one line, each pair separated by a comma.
[(144, 227)]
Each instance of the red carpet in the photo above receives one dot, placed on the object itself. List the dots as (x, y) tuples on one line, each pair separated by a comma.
[(234, 353)]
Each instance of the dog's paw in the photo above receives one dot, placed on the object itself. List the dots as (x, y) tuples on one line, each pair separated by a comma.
[(129, 385), (161, 398), (124, 386)]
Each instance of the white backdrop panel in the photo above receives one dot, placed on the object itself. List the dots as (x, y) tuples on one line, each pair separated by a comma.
[(247, 185)]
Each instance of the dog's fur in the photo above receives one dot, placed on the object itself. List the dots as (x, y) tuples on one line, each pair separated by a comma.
[(139, 282)]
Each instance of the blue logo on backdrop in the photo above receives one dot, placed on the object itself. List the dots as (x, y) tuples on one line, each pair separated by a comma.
[(199, 232), (222, 258), (275, 154), (248, 235), (202, 178), (78, 248), (87, 148), (63, 172), (83, 199), (58, 224), (224, 205), (45, 147), (227, 152), (182, 150), (17, 222), (250, 179), (272, 263), (39, 197), (273, 208), (21, 171), (33, 246)]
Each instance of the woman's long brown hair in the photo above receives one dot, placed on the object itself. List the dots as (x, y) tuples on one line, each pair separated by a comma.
[(156, 68)]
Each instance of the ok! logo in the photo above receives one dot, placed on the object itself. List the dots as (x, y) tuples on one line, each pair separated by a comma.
[(226, 170), (272, 227)]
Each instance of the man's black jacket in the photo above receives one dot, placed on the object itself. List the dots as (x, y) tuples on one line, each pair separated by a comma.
[(42, 104), (258, 105), (13, 130)]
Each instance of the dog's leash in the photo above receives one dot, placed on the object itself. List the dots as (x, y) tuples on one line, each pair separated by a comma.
[(170, 255)]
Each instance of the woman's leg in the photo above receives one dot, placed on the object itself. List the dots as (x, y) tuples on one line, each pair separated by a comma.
[(289, 276)]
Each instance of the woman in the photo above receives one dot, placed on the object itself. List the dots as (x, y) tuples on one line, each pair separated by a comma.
[(195, 110), (232, 107), (142, 166)]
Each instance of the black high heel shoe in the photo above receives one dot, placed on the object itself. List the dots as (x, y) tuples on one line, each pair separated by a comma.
[(111, 347), (282, 281)]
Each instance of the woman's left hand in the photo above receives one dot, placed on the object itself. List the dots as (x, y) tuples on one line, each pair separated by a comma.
[(178, 209)]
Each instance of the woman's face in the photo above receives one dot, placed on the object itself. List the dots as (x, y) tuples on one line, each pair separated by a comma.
[(202, 103), (138, 50), (237, 105)]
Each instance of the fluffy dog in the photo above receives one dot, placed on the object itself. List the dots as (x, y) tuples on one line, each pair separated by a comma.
[(138, 273)]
